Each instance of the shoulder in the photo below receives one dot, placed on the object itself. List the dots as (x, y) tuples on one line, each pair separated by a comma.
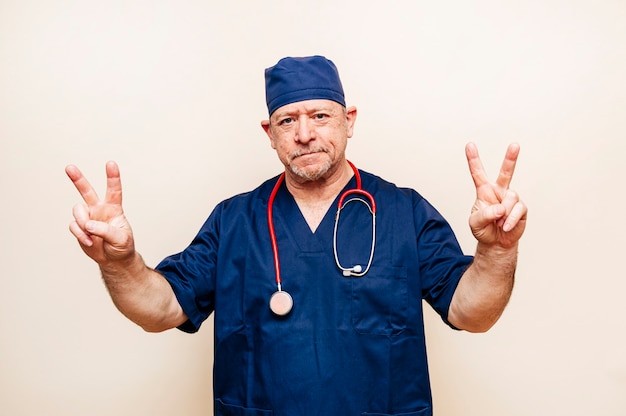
[(377, 185), (258, 195), (243, 205), (398, 199)]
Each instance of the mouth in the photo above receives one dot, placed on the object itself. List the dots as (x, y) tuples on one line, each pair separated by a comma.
[(306, 153)]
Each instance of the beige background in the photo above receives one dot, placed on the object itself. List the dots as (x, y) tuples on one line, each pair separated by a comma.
[(173, 90)]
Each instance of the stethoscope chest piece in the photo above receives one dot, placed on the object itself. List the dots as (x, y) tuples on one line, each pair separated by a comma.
[(281, 303)]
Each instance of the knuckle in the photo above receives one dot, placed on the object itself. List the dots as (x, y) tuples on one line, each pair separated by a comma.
[(512, 195)]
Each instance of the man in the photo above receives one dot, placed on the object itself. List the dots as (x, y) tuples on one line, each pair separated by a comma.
[(340, 331)]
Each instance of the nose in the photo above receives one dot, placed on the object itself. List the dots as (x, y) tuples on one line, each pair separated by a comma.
[(305, 131)]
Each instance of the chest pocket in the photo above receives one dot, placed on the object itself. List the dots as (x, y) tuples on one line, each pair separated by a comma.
[(380, 300)]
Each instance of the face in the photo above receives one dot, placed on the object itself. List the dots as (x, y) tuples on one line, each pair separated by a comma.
[(310, 137)]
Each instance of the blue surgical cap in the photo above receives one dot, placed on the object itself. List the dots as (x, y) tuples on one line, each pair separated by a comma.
[(298, 79)]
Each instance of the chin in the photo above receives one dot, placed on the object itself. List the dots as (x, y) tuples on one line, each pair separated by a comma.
[(311, 172)]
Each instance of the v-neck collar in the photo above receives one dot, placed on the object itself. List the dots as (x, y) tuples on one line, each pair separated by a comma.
[(294, 225)]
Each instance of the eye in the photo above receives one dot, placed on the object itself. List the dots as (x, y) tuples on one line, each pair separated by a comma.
[(286, 120), (320, 116)]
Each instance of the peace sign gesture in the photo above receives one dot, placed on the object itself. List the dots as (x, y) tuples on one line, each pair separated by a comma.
[(498, 216), (100, 226)]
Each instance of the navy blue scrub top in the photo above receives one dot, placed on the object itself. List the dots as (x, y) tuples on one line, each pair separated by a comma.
[(351, 345)]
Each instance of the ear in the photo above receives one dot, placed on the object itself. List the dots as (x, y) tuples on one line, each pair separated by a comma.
[(265, 124), (350, 119)]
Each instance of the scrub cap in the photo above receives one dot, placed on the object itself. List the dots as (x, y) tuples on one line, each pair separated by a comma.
[(298, 79)]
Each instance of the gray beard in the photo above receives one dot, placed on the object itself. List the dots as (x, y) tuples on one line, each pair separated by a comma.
[(307, 174), (311, 175)]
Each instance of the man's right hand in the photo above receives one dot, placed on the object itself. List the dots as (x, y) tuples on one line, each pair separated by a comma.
[(100, 226)]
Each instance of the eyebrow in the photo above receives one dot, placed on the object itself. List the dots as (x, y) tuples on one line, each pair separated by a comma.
[(281, 114)]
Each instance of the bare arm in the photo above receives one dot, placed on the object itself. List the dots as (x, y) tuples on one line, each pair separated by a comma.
[(104, 234), (498, 220)]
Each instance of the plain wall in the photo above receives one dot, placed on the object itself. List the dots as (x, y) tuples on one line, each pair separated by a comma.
[(173, 91)]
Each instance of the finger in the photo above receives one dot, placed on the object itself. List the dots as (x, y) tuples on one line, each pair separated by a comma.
[(114, 184), (83, 186), (518, 213), (82, 237), (509, 200), (475, 165), (508, 166), (81, 214), (77, 227)]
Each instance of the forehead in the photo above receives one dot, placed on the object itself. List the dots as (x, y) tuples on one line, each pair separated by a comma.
[(307, 106)]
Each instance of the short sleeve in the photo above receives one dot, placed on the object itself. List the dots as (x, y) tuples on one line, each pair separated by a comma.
[(191, 273), (442, 262)]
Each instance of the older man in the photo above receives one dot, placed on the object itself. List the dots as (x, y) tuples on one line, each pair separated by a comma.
[(316, 277)]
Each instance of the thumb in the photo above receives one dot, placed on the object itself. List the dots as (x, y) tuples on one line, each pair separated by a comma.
[(119, 237), (486, 216)]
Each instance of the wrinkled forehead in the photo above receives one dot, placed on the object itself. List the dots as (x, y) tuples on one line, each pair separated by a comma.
[(308, 107)]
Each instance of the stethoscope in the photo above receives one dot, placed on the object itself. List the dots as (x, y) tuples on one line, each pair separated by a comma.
[(281, 302)]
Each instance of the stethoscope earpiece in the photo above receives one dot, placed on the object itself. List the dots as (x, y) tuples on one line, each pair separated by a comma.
[(351, 271)]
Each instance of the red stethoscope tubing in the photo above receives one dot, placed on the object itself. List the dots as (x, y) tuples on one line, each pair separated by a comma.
[(270, 221), (270, 218)]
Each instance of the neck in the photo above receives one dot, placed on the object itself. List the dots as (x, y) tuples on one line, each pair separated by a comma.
[(315, 197)]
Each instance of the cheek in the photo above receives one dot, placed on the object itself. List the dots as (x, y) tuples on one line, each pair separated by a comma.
[(278, 143), (281, 148), (277, 139), (340, 142)]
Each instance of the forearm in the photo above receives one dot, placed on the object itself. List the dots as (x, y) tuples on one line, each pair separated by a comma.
[(142, 294), (485, 288)]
